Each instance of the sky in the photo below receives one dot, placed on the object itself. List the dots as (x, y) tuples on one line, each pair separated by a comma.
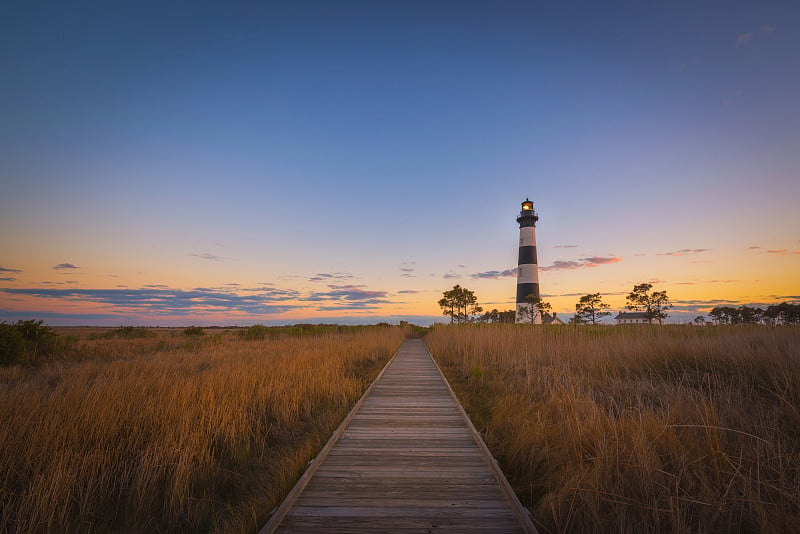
[(234, 163)]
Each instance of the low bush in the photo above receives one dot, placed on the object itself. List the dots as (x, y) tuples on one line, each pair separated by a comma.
[(25, 341), (193, 331), (255, 332)]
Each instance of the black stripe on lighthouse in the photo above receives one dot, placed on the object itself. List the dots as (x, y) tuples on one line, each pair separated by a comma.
[(523, 290), (527, 255)]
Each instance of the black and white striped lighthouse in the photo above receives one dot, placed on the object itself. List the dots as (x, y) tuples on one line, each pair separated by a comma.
[(528, 270)]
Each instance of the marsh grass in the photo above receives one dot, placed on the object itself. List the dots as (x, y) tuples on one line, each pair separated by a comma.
[(641, 429), (172, 433)]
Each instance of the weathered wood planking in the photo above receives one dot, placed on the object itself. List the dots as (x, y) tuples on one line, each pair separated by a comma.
[(406, 459)]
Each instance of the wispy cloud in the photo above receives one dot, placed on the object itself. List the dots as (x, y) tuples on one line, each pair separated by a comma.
[(450, 275), (748, 37), (208, 256), (348, 292), (565, 246), (406, 268), (166, 301), (496, 275), (348, 297), (753, 248), (782, 252), (732, 98), (326, 277), (684, 252), (581, 263), (7, 270), (407, 292), (64, 266), (7, 279), (744, 38)]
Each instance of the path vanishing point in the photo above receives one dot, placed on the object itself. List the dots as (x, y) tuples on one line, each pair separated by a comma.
[(406, 459)]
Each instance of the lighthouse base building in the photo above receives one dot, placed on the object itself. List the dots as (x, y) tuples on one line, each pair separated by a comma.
[(528, 268)]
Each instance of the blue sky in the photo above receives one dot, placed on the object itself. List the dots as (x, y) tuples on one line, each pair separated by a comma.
[(240, 146)]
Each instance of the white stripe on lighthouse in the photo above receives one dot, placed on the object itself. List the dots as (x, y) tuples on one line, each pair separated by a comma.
[(528, 274), (527, 236)]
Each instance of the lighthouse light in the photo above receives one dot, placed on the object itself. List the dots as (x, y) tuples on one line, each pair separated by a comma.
[(527, 205)]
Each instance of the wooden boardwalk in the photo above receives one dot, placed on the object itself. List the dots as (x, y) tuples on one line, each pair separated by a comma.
[(406, 459)]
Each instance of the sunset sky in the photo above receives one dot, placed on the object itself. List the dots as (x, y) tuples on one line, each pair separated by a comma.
[(229, 163)]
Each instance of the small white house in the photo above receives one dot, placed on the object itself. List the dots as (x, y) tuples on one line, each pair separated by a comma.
[(631, 318)]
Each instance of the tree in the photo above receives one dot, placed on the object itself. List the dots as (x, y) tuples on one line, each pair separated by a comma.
[(590, 308), (653, 304), (460, 304), (496, 316), (534, 308), (699, 320), (748, 315)]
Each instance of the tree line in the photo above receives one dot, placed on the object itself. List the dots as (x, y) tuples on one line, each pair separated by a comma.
[(461, 305), (784, 313)]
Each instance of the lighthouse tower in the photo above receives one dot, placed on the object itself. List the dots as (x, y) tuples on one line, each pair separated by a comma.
[(528, 271)]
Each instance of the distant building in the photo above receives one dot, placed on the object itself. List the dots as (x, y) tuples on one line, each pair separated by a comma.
[(631, 318), (551, 319)]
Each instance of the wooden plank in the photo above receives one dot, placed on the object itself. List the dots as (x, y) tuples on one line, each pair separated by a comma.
[(406, 460)]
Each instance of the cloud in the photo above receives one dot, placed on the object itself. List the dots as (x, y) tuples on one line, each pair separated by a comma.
[(744, 38), (782, 252), (349, 293), (63, 266), (766, 28), (451, 275), (407, 292), (580, 263), (753, 248), (7, 270), (165, 301), (565, 246), (7, 279), (325, 277), (208, 256), (496, 275), (684, 252)]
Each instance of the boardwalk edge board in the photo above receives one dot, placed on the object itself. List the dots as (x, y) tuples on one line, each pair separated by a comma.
[(279, 514), (521, 513)]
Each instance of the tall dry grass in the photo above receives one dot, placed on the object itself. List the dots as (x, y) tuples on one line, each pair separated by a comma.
[(642, 429), (173, 434)]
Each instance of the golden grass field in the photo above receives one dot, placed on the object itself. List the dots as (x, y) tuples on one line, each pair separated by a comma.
[(640, 429), (172, 432)]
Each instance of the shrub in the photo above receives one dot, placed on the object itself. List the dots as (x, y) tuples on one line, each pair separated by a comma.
[(193, 331), (130, 332), (25, 340), (12, 345), (255, 332)]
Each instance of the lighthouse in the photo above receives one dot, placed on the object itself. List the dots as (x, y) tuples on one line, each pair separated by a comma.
[(528, 270)]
